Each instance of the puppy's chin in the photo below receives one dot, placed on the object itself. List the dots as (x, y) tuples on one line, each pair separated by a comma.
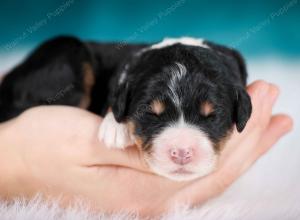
[(181, 173)]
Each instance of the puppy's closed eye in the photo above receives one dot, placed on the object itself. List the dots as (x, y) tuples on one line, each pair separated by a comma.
[(206, 108)]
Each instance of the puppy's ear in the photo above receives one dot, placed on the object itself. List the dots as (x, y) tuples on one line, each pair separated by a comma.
[(240, 63), (242, 108), (242, 103), (119, 102), (233, 58)]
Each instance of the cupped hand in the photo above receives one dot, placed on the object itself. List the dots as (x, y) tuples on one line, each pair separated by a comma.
[(55, 151)]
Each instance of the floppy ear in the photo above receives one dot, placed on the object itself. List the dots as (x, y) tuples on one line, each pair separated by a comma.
[(119, 102), (242, 108), (242, 103)]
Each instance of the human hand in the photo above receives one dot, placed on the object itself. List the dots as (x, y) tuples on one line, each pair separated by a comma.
[(56, 152)]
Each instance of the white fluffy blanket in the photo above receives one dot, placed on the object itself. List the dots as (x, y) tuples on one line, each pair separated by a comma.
[(269, 190)]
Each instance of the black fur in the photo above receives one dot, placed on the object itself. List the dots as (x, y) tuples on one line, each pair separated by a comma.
[(52, 74), (108, 58), (217, 75)]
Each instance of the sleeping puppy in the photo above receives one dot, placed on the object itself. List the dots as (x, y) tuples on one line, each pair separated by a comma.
[(177, 100)]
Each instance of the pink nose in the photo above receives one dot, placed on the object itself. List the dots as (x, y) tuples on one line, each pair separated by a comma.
[(181, 156)]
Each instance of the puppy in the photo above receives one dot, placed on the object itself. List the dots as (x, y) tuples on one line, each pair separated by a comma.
[(178, 100), (59, 72)]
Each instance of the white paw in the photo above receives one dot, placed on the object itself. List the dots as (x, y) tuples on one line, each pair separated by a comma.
[(114, 134)]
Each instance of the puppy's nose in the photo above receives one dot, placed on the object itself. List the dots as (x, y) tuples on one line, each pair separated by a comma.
[(181, 156)]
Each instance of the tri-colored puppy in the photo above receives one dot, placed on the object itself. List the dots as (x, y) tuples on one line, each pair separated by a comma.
[(177, 100)]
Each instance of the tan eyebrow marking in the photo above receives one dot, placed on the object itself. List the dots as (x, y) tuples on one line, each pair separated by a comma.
[(157, 107), (206, 108)]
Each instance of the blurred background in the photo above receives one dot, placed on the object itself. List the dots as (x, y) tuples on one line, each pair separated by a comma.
[(266, 32), (257, 28)]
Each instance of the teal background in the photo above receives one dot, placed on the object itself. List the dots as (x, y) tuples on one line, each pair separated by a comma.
[(250, 26)]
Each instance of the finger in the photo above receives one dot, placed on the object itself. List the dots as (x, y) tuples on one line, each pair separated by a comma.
[(274, 92), (257, 89), (267, 104), (261, 88), (263, 97), (279, 126)]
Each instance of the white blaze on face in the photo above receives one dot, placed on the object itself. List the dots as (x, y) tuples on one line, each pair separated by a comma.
[(181, 135), (178, 72)]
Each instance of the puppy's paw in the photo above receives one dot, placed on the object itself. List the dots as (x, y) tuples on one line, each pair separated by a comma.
[(114, 134)]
